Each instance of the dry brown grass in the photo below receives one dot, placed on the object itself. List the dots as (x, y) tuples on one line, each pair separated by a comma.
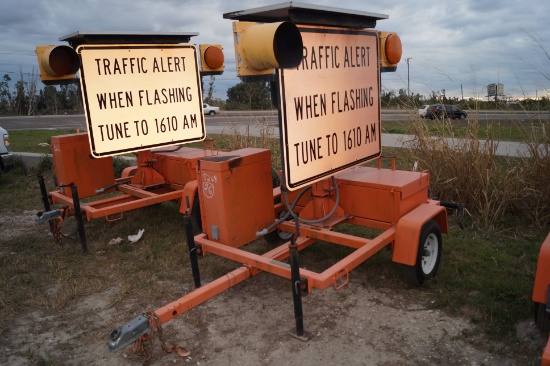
[(534, 197), (468, 170), (266, 140)]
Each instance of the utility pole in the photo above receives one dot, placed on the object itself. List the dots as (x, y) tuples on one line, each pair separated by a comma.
[(408, 80)]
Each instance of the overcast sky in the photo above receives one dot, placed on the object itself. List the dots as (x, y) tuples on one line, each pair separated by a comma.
[(460, 46)]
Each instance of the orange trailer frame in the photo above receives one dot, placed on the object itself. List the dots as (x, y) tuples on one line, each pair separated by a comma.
[(401, 215), (159, 176)]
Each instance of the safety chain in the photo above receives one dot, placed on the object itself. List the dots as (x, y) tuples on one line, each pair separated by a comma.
[(56, 231), (145, 342)]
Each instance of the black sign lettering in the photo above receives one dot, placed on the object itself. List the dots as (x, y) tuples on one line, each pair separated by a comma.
[(114, 131)]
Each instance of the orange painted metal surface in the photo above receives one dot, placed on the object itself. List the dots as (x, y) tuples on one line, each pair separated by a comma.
[(180, 166), (381, 194), (540, 290), (236, 195), (545, 361), (200, 295), (409, 227), (74, 164), (271, 263), (145, 176), (159, 176), (118, 205), (542, 276), (404, 206), (237, 201)]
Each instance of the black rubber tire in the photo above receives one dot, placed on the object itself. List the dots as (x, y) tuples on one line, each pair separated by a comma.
[(212, 113), (426, 265), (542, 318)]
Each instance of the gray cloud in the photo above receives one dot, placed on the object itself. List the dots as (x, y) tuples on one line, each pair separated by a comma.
[(456, 46)]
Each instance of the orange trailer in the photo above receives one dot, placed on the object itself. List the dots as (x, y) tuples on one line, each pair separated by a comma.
[(541, 295), (159, 176), (237, 201), (392, 201)]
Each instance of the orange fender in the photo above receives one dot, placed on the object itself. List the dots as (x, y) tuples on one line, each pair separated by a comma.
[(128, 172), (407, 233), (542, 276), (189, 191), (545, 361)]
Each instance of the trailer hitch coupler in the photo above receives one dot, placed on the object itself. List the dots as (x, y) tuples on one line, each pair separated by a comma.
[(128, 333)]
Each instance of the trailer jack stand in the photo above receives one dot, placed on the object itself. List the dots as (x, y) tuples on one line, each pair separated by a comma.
[(297, 292), (78, 217), (192, 251), (45, 198)]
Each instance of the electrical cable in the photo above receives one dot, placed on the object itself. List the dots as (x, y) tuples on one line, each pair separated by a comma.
[(316, 221), (290, 208)]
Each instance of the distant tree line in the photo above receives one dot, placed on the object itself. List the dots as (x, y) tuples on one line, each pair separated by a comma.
[(26, 99), (244, 96), (389, 99)]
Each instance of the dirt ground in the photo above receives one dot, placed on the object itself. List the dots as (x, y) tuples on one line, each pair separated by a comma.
[(250, 324)]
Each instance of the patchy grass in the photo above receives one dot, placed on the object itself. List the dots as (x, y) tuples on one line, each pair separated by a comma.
[(35, 141), (503, 130), (469, 171), (485, 275), (488, 275)]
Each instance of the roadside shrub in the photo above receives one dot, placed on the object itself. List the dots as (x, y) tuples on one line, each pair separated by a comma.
[(45, 164), (238, 139), (534, 195), (119, 164), (468, 170)]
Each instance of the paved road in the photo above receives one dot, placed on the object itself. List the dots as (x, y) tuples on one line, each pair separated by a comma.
[(255, 123), (227, 119)]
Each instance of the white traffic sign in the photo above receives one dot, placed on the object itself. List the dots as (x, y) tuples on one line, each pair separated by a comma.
[(330, 105), (138, 97)]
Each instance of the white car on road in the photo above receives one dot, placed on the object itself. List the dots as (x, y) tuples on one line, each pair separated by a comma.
[(6, 157), (422, 110), (211, 110)]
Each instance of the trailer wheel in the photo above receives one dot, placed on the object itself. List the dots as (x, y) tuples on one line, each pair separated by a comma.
[(542, 318), (428, 257)]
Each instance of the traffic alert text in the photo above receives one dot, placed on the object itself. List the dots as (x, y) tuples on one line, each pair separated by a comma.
[(312, 106), (335, 57), (331, 144), (142, 127), (138, 65), (178, 93), (144, 97)]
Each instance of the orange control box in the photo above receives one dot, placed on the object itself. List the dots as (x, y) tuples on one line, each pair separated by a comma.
[(74, 164), (236, 195), (180, 166)]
